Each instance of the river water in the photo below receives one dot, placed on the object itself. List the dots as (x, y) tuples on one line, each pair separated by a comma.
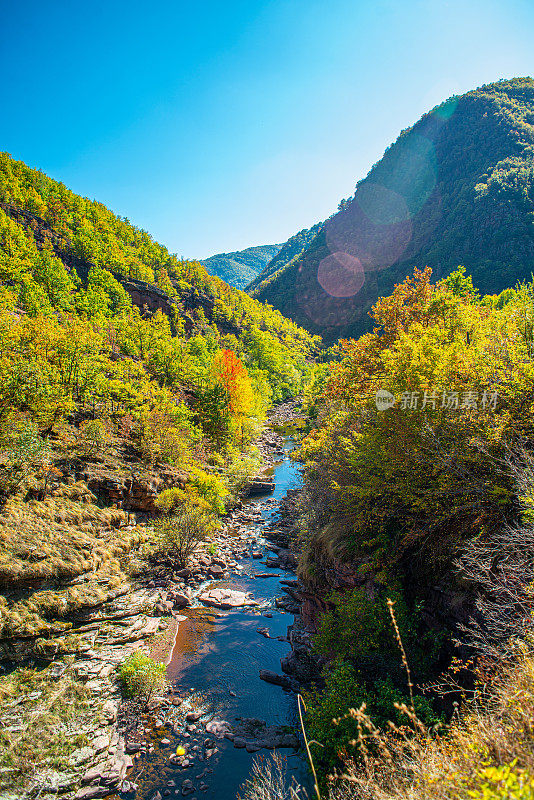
[(217, 657)]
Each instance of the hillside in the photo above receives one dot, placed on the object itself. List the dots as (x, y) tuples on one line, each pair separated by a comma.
[(240, 268), (416, 538), (133, 389), (456, 188), (293, 247)]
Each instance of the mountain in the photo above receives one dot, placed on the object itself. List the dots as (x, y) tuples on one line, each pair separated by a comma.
[(456, 188), (293, 247), (240, 268), (62, 253)]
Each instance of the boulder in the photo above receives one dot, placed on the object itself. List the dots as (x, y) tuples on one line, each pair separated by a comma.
[(269, 676), (180, 600), (261, 484), (218, 728), (216, 571), (226, 598)]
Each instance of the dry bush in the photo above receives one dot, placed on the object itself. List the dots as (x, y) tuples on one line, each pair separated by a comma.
[(179, 534), (268, 781), (496, 731)]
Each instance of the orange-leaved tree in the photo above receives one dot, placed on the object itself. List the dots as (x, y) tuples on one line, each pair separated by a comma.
[(232, 375)]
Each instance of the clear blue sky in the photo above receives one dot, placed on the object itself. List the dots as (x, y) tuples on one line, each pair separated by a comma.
[(219, 125)]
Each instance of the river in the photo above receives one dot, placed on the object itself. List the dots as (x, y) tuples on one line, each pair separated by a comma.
[(216, 658)]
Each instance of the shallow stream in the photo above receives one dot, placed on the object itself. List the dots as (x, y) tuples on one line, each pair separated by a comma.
[(216, 659)]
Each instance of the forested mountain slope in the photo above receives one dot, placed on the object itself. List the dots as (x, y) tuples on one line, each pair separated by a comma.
[(59, 251), (240, 268), (175, 382), (292, 248), (417, 539), (456, 188)]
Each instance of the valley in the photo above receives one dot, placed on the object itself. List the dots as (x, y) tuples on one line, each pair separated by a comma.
[(278, 543)]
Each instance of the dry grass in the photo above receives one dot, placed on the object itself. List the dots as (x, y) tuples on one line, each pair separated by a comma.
[(40, 722), (46, 544), (268, 781), (496, 731)]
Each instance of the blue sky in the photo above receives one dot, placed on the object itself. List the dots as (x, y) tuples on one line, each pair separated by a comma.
[(221, 125)]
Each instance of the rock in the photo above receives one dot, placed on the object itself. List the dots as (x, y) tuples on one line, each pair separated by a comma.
[(187, 787), (226, 598), (50, 780), (165, 742), (301, 664), (257, 554), (261, 484), (278, 680), (238, 742), (89, 792), (109, 711), (218, 727), (100, 743), (56, 670), (216, 571), (193, 716), (164, 607), (79, 757), (180, 600)]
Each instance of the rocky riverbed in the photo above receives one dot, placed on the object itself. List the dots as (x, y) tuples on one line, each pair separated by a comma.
[(177, 746)]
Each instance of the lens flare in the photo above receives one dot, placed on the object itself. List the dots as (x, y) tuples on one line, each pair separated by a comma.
[(341, 274), (376, 232)]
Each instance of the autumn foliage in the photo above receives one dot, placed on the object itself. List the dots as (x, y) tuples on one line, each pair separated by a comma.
[(231, 373)]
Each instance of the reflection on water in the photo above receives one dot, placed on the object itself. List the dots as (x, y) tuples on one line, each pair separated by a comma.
[(194, 640), (218, 656)]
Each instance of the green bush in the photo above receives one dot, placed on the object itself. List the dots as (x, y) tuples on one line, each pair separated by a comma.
[(210, 488), (179, 534), (329, 722), (94, 437), (141, 677), (24, 452), (359, 629)]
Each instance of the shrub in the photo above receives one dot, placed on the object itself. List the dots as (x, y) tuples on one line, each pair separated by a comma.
[(210, 488), (359, 629), (179, 534), (504, 782), (94, 437), (170, 499), (25, 451), (268, 781), (141, 677), (330, 723)]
